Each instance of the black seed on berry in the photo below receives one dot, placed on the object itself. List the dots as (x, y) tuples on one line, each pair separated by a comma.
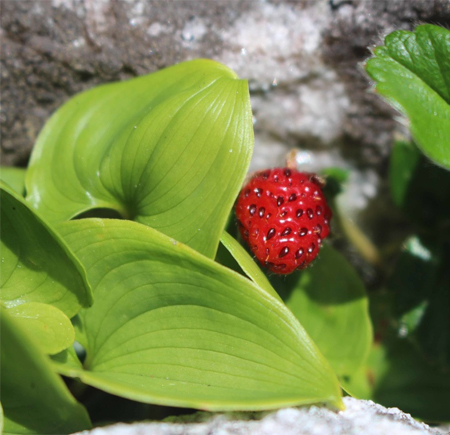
[(310, 213), (284, 213), (286, 231), (278, 266), (275, 178), (299, 253), (261, 212), (252, 209), (293, 197), (283, 252), (299, 212), (287, 172), (256, 231), (318, 210), (280, 201), (271, 233), (311, 248), (318, 229), (246, 234), (265, 175), (303, 232), (258, 192), (267, 251), (247, 192)]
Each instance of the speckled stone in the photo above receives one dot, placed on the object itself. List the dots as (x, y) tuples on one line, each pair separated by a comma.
[(362, 417)]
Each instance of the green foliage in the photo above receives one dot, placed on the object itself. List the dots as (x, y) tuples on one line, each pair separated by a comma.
[(175, 328), (153, 149), (409, 365), (14, 178), (42, 282), (330, 301), (412, 71), (34, 399), (171, 309)]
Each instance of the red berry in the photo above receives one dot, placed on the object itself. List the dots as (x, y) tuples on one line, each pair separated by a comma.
[(283, 216)]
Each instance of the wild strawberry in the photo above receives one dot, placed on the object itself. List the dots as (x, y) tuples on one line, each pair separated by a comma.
[(283, 216)]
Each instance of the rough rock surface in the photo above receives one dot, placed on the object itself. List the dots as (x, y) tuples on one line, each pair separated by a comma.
[(361, 417), (300, 56)]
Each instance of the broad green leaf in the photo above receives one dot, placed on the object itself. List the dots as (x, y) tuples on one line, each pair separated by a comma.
[(170, 326), (14, 178), (330, 301), (404, 160), (421, 283), (50, 327), (37, 265), (170, 150), (35, 400), (247, 264), (412, 71)]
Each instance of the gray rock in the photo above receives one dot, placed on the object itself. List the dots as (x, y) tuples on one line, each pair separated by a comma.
[(301, 58), (361, 417)]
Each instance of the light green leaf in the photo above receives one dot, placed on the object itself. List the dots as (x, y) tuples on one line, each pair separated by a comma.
[(330, 301), (66, 360), (50, 327), (412, 71), (247, 264), (170, 150), (37, 265), (1, 418), (14, 178), (172, 327), (35, 400)]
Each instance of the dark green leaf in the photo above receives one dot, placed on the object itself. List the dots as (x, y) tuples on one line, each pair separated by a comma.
[(172, 327), (421, 285), (412, 71), (405, 158), (170, 150)]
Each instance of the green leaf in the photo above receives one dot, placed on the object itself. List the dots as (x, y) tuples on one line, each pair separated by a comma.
[(48, 325), (404, 161), (247, 264), (67, 360), (35, 400), (421, 190), (14, 178), (37, 265), (412, 71), (404, 379), (397, 375), (172, 327), (170, 150), (1, 418), (330, 301), (421, 283)]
